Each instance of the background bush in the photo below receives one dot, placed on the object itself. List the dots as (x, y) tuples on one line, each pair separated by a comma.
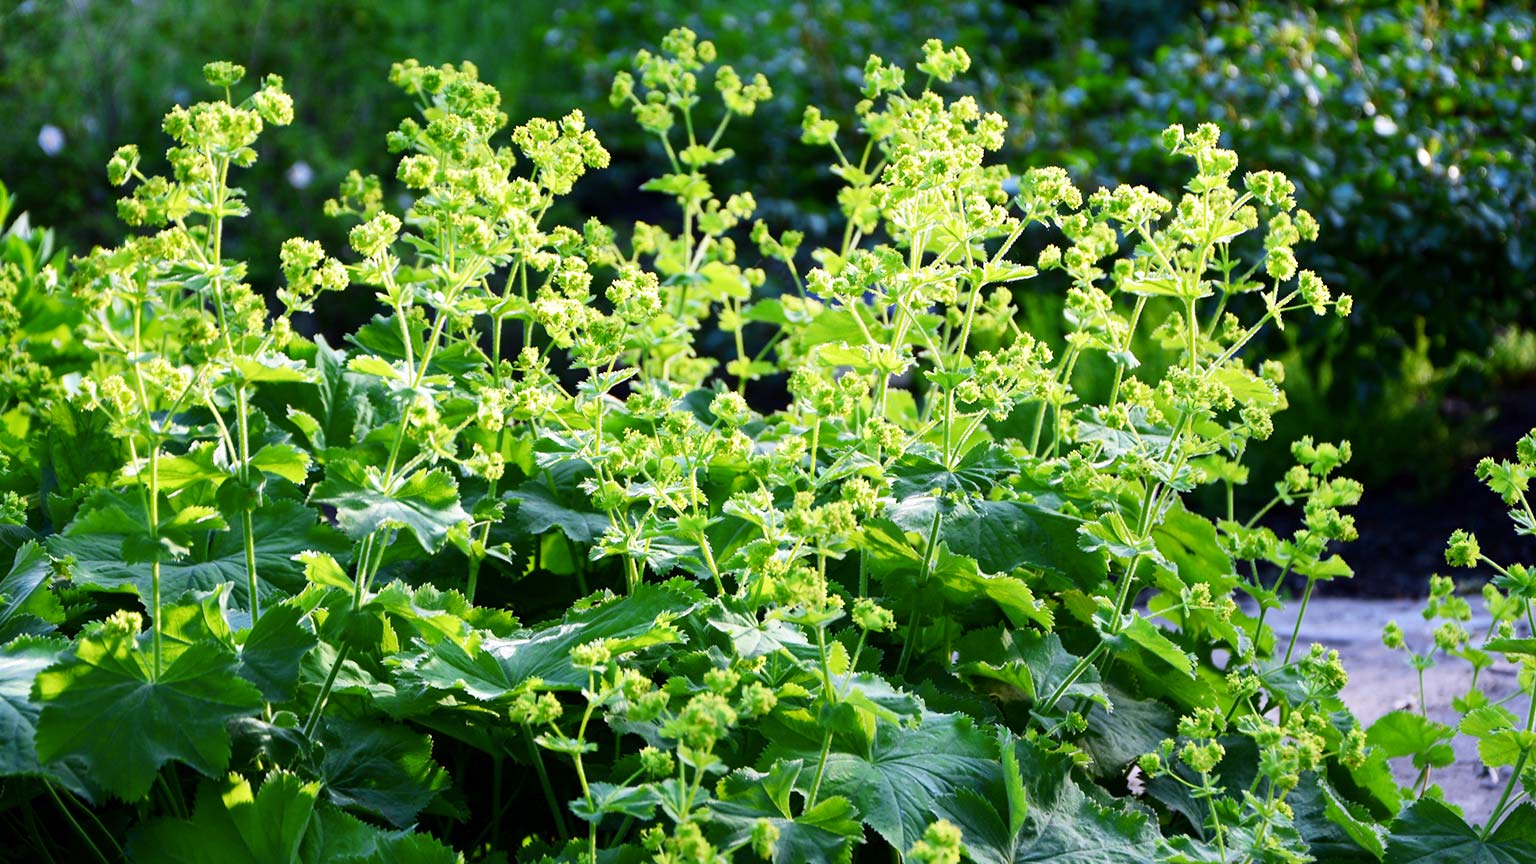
[(1408, 128)]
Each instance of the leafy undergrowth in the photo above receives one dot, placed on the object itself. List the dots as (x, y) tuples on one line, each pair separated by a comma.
[(520, 572)]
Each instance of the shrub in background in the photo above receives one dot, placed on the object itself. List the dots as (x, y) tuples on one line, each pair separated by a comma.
[(1407, 128)]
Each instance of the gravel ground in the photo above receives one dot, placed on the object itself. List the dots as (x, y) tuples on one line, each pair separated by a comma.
[(1381, 681)]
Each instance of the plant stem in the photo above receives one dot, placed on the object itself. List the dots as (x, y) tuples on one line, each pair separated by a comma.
[(821, 767), (549, 790), (78, 829), (1509, 788), (906, 645), (313, 720), (173, 795), (930, 558), (154, 566), (1514, 774), (1306, 596), (247, 522), (1130, 332)]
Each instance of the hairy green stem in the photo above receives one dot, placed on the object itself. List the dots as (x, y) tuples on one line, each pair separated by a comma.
[(1306, 597), (544, 784), (70, 818), (821, 768), (1514, 775), (313, 721)]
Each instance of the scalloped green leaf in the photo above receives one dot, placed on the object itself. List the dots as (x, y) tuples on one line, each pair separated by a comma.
[(282, 528), (285, 821), (273, 650), (26, 604), (1061, 823), (908, 770), (382, 769), (106, 694), (638, 802), (282, 460), (20, 662), (495, 666), (1403, 733), (1430, 832), (977, 472), (538, 511), (426, 503), (825, 832)]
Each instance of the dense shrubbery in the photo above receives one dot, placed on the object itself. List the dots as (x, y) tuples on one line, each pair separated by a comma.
[(1408, 131), (520, 572)]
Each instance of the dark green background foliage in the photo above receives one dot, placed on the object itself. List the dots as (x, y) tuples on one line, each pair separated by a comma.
[(1407, 126), (1408, 129), (103, 73)]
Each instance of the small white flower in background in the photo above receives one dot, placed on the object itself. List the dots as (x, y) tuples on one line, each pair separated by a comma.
[(300, 175), (1384, 125), (51, 139)]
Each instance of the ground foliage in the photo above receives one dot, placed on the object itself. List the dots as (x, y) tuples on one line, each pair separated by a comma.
[(519, 574)]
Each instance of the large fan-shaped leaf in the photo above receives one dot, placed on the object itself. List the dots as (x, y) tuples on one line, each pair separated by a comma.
[(282, 528), (426, 503), (26, 606), (496, 666), (382, 769), (979, 469), (908, 770), (1057, 823), (825, 832), (20, 661), (538, 510), (1430, 832), (272, 651), (106, 696)]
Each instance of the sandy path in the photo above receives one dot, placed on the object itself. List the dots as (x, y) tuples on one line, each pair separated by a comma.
[(1381, 681)]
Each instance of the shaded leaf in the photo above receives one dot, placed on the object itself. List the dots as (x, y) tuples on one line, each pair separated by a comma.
[(20, 662), (1429, 832), (272, 651), (426, 503), (1353, 820), (26, 605), (908, 770), (106, 694), (385, 770), (282, 528)]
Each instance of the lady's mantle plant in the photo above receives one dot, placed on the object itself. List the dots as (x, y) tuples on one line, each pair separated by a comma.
[(522, 572)]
